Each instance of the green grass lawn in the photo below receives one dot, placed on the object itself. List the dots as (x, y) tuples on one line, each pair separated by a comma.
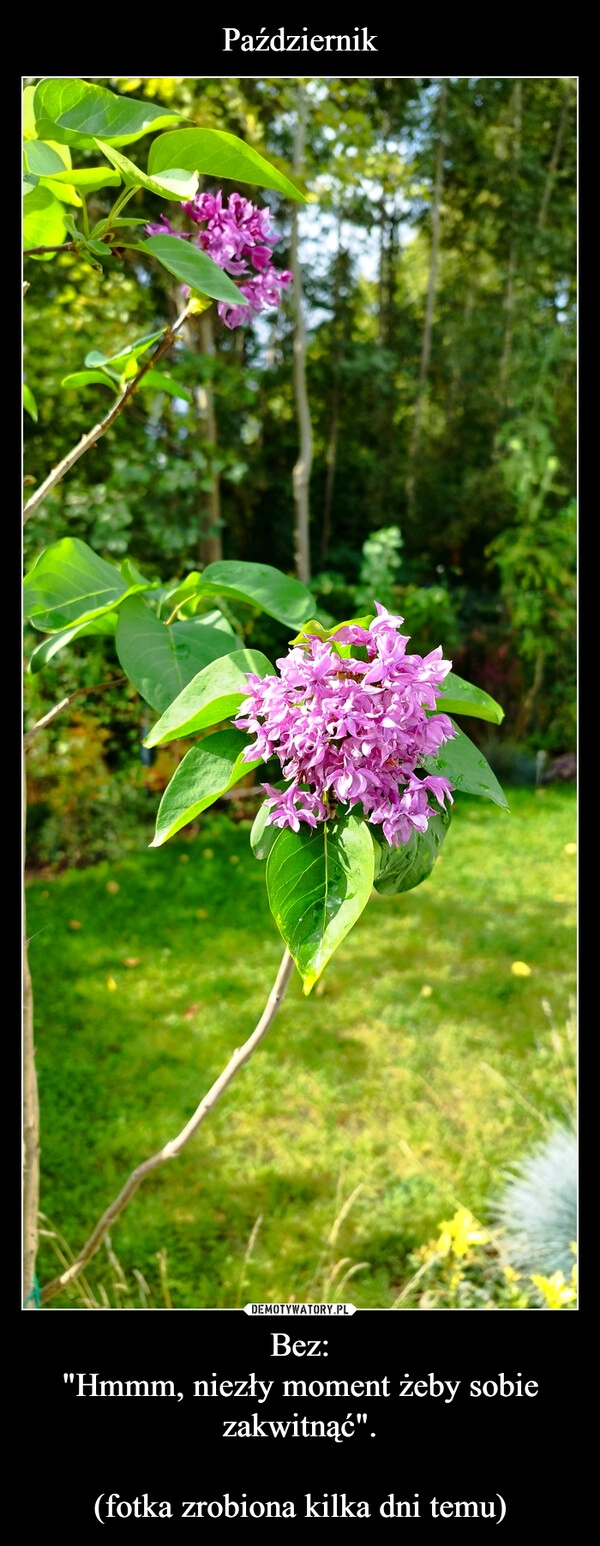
[(418, 1069)]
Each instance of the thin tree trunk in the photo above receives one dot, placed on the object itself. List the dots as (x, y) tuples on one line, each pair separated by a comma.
[(31, 1117), (302, 469), (332, 443), (467, 314), (554, 160), (524, 719), (509, 297), (211, 546), (431, 291), (330, 461)]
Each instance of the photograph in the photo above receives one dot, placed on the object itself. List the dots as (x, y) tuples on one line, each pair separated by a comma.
[(300, 783)]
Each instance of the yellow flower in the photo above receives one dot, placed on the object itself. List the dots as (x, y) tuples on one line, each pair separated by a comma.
[(459, 1232), (520, 969)]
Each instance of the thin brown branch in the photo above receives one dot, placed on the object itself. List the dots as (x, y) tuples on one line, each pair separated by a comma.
[(32, 252), (173, 1149), (87, 441), (64, 702)]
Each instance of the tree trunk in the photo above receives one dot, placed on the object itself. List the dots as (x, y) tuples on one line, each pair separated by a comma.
[(31, 1118), (334, 423), (554, 159), (431, 290), (509, 297), (302, 469), (330, 461)]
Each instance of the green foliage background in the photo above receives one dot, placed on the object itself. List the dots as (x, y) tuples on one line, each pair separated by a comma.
[(486, 560)]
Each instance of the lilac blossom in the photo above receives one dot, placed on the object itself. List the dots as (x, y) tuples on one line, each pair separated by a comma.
[(238, 239), (351, 731)]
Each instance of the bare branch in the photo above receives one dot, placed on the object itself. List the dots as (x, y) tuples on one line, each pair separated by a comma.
[(89, 440), (58, 707), (173, 1149), (32, 252)]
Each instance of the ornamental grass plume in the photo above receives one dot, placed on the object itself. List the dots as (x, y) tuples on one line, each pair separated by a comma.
[(234, 237), (351, 730), (537, 1210)]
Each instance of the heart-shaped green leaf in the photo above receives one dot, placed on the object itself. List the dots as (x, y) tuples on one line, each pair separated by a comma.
[(42, 159), (214, 153), (466, 767), (89, 178), (213, 695), (206, 772), (104, 623), (175, 184), (318, 883), (404, 867), (278, 594), (192, 267), (75, 112), (160, 661), (83, 378), (43, 220), (459, 697), (69, 583)]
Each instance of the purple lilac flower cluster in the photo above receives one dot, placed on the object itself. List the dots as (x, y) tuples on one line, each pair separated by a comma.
[(351, 730), (234, 238)]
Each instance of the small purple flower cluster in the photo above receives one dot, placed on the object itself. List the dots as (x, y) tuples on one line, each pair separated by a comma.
[(350, 730), (233, 237)]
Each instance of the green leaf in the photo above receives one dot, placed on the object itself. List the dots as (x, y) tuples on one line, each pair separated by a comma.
[(42, 159), (89, 178), (105, 623), (318, 883), (133, 576), (205, 774), (192, 267), (404, 867), (43, 220), (264, 835), (139, 346), (459, 697), (28, 113), (161, 661), (75, 112), (159, 382), (82, 378), (29, 183), (64, 191), (29, 402), (466, 767), (175, 184), (69, 583), (183, 590), (101, 249), (314, 629), (278, 594), (214, 153), (214, 694)]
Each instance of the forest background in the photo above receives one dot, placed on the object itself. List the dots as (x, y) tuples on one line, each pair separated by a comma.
[(433, 324)]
